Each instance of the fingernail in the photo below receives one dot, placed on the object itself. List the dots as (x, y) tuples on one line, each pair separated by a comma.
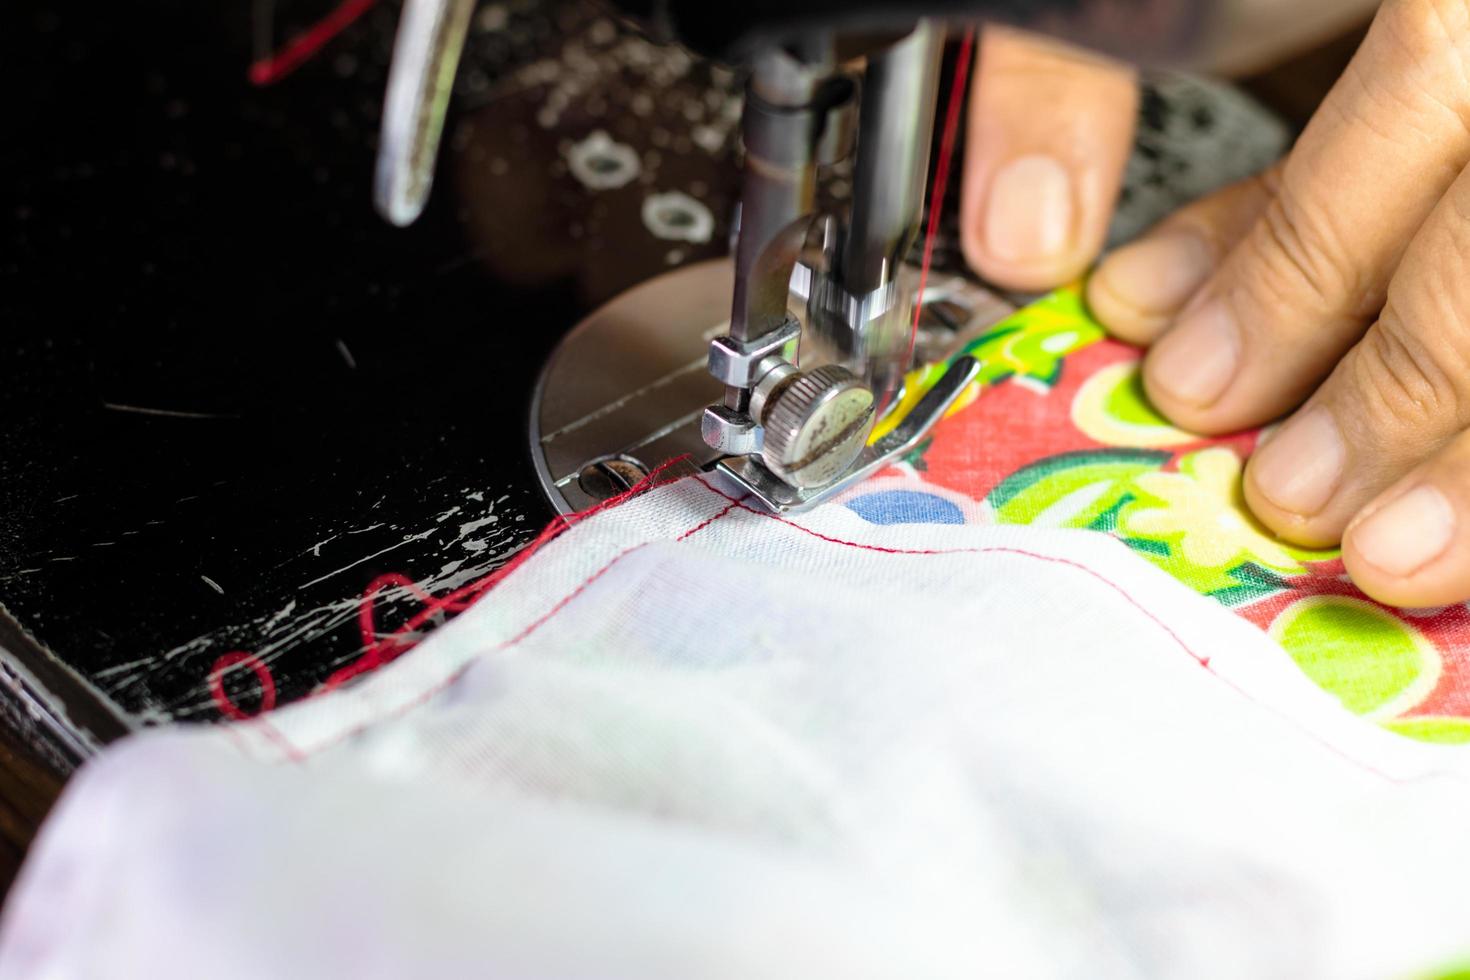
[(1157, 275), (1029, 214), (1300, 468), (1408, 533), (1196, 361)]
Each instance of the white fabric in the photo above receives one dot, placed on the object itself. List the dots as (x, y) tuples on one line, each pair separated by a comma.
[(691, 740)]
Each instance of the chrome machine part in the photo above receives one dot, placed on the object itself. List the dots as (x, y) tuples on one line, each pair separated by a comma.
[(811, 426), (772, 373), (630, 383), (860, 313), (748, 474), (815, 425), (791, 106), (793, 121), (431, 36), (626, 390)]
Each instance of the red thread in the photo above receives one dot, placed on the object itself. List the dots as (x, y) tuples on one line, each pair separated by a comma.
[(298, 755), (303, 47), (222, 699), (366, 622), (295, 754), (997, 550), (379, 650), (701, 526), (941, 177), (1203, 661)]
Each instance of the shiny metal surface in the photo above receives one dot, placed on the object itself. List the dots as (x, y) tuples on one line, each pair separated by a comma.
[(749, 475), (631, 381), (816, 424), (895, 129), (734, 362), (789, 104), (796, 117), (728, 432), (856, 318), (431, 36)]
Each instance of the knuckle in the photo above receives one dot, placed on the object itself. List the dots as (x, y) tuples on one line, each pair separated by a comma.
[(1406, 384), (1268, 181), (1298, 261)]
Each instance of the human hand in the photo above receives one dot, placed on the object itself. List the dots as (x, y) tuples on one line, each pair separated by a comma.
[(1339, 277), (1332, 287), (1051, 129)]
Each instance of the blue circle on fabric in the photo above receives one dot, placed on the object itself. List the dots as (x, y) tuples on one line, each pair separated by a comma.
[(905, 507)]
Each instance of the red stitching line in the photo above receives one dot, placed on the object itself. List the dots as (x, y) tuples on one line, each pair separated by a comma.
[(1201, 660), (295, 754), (378, 651), (701, 526), (995, 550), (279, 739), (299, 755), (400, 641)]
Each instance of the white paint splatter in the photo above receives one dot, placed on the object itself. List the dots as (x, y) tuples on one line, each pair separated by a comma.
[(601, 164), (465, 530), (677, 217), (279, 616)]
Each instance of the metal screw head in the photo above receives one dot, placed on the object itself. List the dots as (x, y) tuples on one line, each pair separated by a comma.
[(609, 476), (816, 424)]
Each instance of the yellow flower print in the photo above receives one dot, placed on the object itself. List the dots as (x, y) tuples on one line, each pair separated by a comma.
[(1203, 515), (1111, 408)]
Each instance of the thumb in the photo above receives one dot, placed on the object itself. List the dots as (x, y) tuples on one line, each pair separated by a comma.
[(1050, 131)]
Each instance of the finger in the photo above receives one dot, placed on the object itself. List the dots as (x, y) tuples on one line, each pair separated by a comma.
[(1140, 288), (1411, 546), (1051, 128), (1397, 398), (1303, 285)]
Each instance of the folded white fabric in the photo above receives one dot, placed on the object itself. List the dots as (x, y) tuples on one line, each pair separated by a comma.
[(687, 739)]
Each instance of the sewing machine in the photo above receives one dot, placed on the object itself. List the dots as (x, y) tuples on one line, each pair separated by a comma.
[(236, 398), (771, 368)]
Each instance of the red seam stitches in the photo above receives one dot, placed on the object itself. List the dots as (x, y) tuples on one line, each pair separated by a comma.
[(378, 651), (995, 550), (296, 754), (1178, 640)]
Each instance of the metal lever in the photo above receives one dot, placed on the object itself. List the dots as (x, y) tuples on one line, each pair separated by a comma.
[(750, 475), (431, 36)]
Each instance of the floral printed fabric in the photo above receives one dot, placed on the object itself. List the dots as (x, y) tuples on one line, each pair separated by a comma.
[(1064, 438)]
